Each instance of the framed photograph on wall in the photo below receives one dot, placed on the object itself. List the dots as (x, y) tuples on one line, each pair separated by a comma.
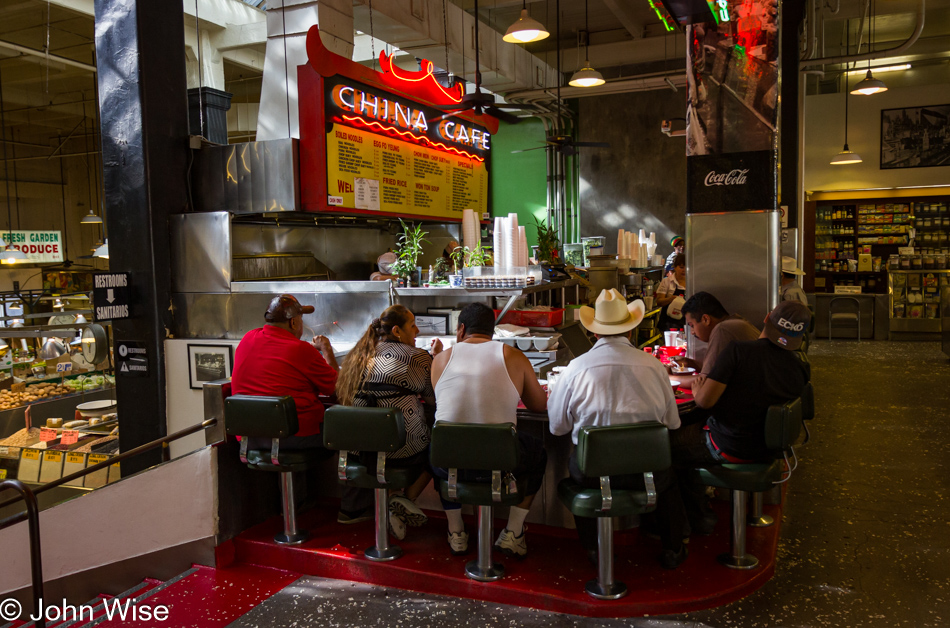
[(915, 137), (207, 363)]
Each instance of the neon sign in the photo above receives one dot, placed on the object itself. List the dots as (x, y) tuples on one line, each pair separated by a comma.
[(723, 6), (404, 119)]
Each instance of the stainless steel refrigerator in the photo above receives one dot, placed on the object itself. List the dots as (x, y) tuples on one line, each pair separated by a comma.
[(735, 256)]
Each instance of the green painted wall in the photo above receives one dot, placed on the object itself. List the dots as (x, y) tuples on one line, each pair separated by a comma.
[(518, 181)]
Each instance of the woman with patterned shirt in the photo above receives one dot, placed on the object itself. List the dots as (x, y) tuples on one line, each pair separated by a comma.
[(385, 369)]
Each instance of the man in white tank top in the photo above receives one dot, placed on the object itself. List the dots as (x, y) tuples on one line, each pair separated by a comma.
[(481, 381)]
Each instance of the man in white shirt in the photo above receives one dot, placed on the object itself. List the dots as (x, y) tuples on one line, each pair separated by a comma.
[(617, 384)]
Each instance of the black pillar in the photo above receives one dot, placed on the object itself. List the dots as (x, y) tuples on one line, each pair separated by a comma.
[(792, 15), (140, 58)]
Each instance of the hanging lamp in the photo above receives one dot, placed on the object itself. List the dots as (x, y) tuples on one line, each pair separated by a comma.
[(526, 29), (102, 251), (846, 156), (91, 219), (870, 85), (9, 255), (586, 76)]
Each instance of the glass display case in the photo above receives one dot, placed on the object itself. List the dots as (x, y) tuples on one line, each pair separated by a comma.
[(914, 299)]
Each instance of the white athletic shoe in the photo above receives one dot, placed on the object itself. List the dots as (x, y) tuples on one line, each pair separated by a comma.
[(458, 543), (407, 509), (397, 526), (511, 545)]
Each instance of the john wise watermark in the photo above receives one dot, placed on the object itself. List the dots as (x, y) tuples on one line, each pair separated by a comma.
[(122, 610)]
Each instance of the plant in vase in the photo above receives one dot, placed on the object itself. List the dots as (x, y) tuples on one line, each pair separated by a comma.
[(440, 272), (459, 256), (408, 250), (548, 242)]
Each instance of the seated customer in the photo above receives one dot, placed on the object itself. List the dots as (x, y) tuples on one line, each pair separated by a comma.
[(671, 294), (791, 291), (273, 361), (480, 381), (748, 378), (617, 384), (385, 369), (709, 321)]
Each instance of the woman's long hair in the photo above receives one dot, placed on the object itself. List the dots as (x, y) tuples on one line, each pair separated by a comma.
[(359, 361)]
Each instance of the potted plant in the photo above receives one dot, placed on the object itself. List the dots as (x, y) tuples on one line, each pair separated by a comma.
[(459, 256), (479, 257), (440, 271), (548, 242), (408, 250)]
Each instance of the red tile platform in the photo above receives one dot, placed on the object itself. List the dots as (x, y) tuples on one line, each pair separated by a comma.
[(551, 578)]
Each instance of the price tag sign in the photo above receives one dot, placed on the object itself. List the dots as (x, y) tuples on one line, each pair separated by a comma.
[(47, 434), (3, 474), (64, 367), (97, 458), (70, 437), (75, 458), (53, 456), (31, 454)]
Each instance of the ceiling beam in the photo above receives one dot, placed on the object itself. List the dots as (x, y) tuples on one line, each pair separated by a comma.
[(39, 53), (622, 12)]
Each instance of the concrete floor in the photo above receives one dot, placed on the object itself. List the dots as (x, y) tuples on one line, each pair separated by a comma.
[(865, 537)]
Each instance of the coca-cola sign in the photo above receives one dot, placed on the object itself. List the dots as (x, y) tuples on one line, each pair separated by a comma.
[(731, 182), (733, 177)]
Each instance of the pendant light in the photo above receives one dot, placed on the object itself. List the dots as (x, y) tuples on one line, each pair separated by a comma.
[(846, 156), (91, 219), (103, 251), (587, 76), (869, 85), (9, 255), (526, 29)]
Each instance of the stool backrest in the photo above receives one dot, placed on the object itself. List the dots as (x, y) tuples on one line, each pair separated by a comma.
[(808, 402), (623, 449), (348, 428), (260, 417), (471, 446), (783, 424)]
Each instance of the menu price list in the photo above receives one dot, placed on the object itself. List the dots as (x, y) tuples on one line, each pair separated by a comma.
[(412, 178)]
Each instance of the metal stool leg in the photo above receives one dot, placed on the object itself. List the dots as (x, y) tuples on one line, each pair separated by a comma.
[(738, 559), (483, 569), (756, 518), (382, 551), (604, 587), (291, 535)]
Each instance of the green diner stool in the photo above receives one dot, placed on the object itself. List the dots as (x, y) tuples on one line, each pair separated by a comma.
[(379, 430), (492, 448), (603, 452), (274, 418), (783, 425)]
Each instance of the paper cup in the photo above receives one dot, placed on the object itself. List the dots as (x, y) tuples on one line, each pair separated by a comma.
[(669, 338)]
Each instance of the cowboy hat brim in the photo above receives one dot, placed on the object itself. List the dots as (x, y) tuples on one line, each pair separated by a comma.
[(635, 312)]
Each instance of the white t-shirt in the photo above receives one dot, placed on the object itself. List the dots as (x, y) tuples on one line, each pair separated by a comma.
[(668, 286)]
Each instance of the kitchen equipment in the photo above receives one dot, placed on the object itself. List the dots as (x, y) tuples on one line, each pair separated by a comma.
[(96, 408)]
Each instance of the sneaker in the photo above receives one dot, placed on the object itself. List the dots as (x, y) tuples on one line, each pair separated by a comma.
[(458, 543), (346, 518), (407, 509), (671, 560), (397, 526), (511, 545)]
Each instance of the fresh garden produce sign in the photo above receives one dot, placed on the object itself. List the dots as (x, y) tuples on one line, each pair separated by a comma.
[(40, 247)]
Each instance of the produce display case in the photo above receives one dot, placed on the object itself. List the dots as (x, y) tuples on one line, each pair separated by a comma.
[(915, 300)]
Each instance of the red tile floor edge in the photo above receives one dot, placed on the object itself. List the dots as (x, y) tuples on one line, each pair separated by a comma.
[(551, 578)]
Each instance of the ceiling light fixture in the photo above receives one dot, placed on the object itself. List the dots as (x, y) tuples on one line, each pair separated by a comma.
[(846, 156), (91, 219), (9, 255), (526, 29), (870, 85), (587, 76), (102, 251)]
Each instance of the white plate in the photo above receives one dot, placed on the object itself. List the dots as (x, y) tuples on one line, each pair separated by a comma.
[(688, 370)]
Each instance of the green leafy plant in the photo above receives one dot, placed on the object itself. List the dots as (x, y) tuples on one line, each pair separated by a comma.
[(459, 254), (479, 257), (440, 268), (408, 249), (548, 242)]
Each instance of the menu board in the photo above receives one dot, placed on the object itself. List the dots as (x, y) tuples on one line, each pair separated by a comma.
[(369, 171)]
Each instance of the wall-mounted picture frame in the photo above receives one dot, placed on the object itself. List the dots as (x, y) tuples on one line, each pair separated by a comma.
[(915, 137), (207, 363)]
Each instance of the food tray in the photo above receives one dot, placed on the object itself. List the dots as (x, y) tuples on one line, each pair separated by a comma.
[(533, 318)]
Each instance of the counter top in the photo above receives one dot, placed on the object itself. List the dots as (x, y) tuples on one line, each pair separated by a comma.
[(486, 292)]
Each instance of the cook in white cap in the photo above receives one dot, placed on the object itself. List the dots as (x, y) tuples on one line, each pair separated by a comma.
[(791, 291)]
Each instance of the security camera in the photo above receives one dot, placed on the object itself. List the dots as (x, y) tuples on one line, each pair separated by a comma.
[(666, 127)]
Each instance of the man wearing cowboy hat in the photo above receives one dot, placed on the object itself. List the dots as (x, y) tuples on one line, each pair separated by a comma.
[(617, 384), (791, 291)]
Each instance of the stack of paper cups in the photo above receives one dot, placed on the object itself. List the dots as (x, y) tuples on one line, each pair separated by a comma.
[(498, 238), (631, 246), (643, 237), (522, 247), (468, 231), (620, 243), (653, 238)]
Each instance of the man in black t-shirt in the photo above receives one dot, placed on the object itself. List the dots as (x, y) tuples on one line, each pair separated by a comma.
[(747, 378)]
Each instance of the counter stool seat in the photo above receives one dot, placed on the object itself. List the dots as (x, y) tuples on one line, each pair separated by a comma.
[(612, 451), (275, 418), (783, 424), (478, 447), (381, 431)]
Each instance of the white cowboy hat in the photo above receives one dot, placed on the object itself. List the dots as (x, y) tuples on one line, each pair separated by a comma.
[(789, 267), (611, 314)]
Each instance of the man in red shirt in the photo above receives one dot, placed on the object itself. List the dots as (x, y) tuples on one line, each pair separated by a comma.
[(274, 361)]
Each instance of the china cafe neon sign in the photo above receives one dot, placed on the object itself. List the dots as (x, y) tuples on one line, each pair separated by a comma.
[(370, 106)]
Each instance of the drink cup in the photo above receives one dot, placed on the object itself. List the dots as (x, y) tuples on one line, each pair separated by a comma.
[(669, 338)]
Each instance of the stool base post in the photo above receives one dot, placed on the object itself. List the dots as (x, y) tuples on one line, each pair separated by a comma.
[(291, 535), (483, 569), (757, 519), (604, 587), (382, 551), (738, 559)]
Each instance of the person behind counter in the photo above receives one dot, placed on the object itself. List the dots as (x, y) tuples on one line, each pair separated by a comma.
[(671, 294), (617, 384), (791, 291), (480, 381), (679, 247), (273, 361), (747, 379), (709, 321), (385, 369)]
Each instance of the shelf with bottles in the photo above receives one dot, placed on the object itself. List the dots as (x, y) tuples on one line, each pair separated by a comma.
[(916, 295), (836, 213)]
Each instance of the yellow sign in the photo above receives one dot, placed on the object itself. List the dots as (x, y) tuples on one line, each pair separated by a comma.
[(31, 454), (75, 458), (3, 474), (95, 459), (53, 456), (380, 173)]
